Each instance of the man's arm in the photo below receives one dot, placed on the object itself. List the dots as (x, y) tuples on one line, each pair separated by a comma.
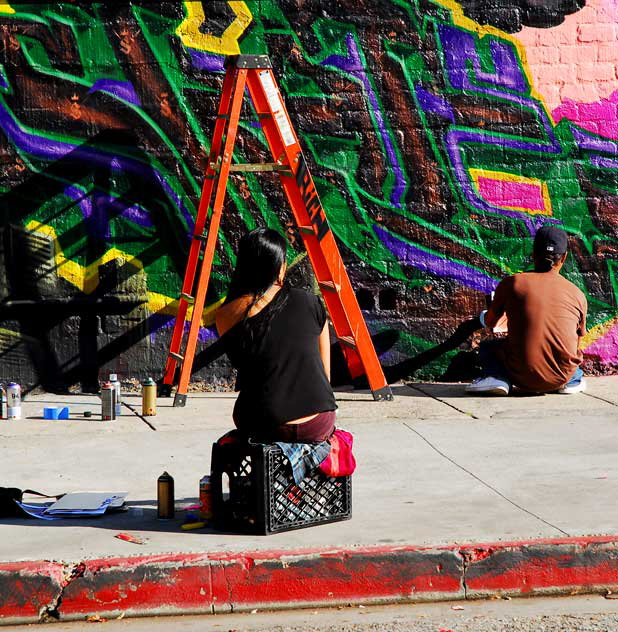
[(497, 307), (581, 328)]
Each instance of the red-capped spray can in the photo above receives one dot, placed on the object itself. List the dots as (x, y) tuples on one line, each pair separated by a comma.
[(13, 401), (205, 499), (108, 402)]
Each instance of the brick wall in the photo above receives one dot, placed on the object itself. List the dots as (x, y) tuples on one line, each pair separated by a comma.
[(441, 135)]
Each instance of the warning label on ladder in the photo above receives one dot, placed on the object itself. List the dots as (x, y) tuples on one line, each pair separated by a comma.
[(274, 100)]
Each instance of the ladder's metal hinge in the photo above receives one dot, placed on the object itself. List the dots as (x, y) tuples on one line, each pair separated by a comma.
[(329, 285), (248, 61), (348, 340)]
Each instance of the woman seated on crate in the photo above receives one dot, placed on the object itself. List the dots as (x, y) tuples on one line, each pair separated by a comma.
[(277, 338)]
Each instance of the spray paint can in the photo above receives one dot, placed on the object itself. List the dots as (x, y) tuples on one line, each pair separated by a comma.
[(13, 401), (2, 402), (108, 402), (165, 497), (113, 378), (205, 499), (149, 397)]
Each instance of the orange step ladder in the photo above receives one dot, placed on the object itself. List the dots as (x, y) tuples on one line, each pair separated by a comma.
[(254, 72)]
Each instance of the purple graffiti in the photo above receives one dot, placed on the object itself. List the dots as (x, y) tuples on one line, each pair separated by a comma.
[(52, 149), (454, 139), (120, 89), (505, 78), (588, 142), (434, 103), (435, 264), (97, 206), (158, 322), (207, 61), (460, 50), (353, 65)]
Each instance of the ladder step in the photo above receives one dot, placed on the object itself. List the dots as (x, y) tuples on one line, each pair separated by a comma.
[(187, 297), (329, 285), (201, 237), (177, 356), (259, 166), (308, 230), (348, 340)]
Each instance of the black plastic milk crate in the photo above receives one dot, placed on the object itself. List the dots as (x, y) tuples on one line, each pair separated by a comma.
[(263, 497)]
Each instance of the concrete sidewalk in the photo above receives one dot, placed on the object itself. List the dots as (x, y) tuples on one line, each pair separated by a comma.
[(439, 476)]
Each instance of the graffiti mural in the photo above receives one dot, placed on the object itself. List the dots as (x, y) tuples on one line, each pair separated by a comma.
[(438, 135)]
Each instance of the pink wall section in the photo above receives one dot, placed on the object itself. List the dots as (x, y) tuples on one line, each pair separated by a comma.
[(574, 66)]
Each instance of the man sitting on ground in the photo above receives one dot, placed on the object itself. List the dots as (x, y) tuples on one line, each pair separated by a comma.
[(546, 320)]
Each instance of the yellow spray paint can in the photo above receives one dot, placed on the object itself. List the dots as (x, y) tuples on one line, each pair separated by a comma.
[(149, 397)]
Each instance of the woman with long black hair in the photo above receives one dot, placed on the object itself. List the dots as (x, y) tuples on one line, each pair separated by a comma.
[(277, 339)]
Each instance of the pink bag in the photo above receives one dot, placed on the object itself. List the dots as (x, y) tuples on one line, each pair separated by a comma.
[(340, 461)]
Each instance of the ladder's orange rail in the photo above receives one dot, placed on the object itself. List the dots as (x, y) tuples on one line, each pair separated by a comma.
[(256, 74)]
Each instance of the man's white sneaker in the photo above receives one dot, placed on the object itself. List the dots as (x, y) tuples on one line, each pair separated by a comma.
[(574, 388), (488, 386)]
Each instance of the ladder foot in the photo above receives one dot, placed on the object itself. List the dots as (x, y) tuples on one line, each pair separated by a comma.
[(383, 394), (180, 401)]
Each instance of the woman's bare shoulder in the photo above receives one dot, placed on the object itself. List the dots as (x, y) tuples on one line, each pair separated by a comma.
[(231, 313)]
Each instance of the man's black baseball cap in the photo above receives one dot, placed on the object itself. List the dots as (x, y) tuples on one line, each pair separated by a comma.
[(550, 240)]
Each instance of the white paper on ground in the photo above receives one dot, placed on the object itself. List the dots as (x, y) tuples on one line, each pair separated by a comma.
[(88, 501)]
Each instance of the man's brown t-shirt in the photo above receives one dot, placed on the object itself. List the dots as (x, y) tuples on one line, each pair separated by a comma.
[(546, 317)]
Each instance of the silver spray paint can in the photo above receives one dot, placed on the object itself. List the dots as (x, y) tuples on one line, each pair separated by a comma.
[(113, 378), (13, 401), (108, 402), (2, 402)]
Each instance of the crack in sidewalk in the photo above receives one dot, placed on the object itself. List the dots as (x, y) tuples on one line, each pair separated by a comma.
[(438, 399), (480, 480), (601, 399)]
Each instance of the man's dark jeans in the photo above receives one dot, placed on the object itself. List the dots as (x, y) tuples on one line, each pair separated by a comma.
[(491, 365)]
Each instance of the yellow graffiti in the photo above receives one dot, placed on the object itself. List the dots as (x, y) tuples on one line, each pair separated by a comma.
[(5, 7), (86, 279), (598, 331), (502, 176), (227, 44)]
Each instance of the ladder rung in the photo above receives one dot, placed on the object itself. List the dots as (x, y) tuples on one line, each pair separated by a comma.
[(177, 356), (187, 297), (259, 166), (348, 340), (329, 285), (308, 230), (201, 237)]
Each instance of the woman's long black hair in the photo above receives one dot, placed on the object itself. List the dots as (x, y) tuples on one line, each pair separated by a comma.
[(261, 253)]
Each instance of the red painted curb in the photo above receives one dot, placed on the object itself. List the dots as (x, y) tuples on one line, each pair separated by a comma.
[(214, 582)]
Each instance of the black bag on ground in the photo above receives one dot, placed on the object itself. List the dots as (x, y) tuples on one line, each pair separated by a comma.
[(8, 495)]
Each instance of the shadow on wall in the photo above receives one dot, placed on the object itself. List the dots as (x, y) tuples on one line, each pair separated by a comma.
[(68, 333)]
